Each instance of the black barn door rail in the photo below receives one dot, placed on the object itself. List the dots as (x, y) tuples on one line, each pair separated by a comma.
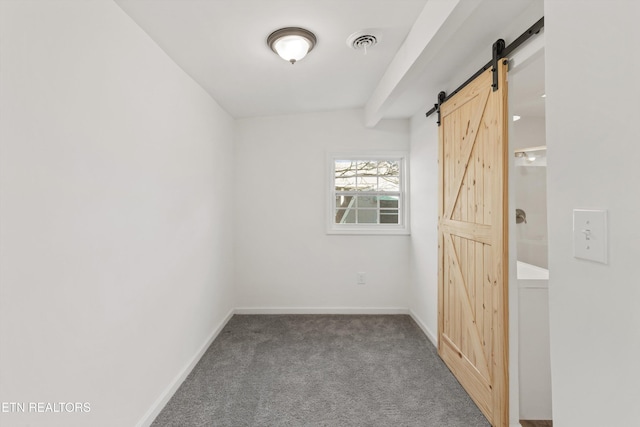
[(499, 51)]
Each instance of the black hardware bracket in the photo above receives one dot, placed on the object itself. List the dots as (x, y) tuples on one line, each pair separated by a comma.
[(499, 50), (441, 97)]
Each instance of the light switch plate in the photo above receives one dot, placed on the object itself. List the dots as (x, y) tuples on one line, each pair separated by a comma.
[(590, 235)]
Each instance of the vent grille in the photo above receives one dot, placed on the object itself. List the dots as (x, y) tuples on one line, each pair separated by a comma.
[(364, 41)]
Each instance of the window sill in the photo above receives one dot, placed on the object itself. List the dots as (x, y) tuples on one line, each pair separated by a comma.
[(369, 231)]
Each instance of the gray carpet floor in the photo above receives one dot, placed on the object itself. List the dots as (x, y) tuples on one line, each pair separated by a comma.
[(320, 370)]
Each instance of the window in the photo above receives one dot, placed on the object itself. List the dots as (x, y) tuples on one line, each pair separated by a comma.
[(367, 194)]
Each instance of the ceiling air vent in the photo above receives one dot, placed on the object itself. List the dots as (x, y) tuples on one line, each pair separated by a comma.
[(362, 40)]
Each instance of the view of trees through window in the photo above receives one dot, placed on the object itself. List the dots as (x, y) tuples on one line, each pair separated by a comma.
[(367, 191)]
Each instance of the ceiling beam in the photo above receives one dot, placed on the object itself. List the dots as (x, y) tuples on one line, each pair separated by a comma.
[(532, 50), (437, 22)]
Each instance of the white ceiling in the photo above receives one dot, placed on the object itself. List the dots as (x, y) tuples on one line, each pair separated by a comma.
[(221, 44)]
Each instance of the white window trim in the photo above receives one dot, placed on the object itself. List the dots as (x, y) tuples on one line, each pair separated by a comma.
[(368, 229)]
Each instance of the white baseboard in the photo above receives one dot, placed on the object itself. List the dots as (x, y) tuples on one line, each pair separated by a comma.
[(164, 398), (320, 310), (433, 338)]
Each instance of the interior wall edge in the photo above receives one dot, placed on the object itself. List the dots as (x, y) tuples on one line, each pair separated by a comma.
[(175, 384), (425, 329)]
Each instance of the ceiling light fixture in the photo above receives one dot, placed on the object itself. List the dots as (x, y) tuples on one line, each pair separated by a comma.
[(530, 153), (516, 118), (291, 43)]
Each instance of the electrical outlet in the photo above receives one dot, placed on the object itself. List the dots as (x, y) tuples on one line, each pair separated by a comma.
[(362, 279)]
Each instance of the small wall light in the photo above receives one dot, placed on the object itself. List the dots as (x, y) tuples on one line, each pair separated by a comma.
[(291, 43)]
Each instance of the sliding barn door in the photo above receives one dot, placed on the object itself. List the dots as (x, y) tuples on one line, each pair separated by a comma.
[(472, 300)]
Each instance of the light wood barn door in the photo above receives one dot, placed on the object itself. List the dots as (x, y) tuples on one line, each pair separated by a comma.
[(472, 277)]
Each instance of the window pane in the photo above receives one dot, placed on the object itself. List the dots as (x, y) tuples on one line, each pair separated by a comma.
[(344, 201), (344, 168), (388, 202), (389, 183), (389, 176), (367, 216), (367, 167), (367, 201), (345, 216), (390, 168), (345, 184), (388, 218), (367, 183)]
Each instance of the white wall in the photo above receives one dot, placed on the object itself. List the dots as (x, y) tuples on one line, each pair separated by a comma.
[(592, 86), (115, 187), (285, 259), (423, 300)]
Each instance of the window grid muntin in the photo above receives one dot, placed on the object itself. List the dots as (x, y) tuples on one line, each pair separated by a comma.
[(389, 219), (357, 171), (353, 205), (360, 170)]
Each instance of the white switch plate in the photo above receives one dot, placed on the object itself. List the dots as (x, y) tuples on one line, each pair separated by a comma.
[(590, 235)]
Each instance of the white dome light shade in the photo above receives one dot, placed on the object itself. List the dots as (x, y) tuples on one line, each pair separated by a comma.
[(291, 44), (292, 48)]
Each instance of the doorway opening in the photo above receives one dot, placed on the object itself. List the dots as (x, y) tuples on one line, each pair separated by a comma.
[(528, 232)]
